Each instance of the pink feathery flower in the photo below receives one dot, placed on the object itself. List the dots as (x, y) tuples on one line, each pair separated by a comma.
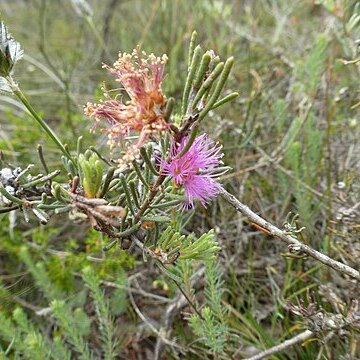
[(141, 78), (197, 170)]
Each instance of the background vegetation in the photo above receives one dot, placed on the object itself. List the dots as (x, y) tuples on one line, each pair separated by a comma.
[(291, 138)]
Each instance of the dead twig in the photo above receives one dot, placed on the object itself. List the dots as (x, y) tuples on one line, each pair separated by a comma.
[(149, 323), (284, 345), (325, 324), (288, 239)]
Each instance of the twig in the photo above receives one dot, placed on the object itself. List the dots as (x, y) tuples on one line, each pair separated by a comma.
[(171, 311), (179, 302), (8, 209), (329, 323), (188, 299), (61, 254), (290, 240), (149, 322), (150, 197), (286, 344)]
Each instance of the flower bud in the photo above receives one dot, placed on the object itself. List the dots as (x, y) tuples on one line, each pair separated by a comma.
[(91, 172)]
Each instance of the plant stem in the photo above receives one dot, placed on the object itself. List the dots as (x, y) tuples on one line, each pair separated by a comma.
[(150, 197), (188, 299), (288, 239), (281, 347), (20, 95)]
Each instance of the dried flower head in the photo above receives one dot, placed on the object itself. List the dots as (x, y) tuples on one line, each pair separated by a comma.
[(10, 54), (10, 51), (197, 170), (141, 78)]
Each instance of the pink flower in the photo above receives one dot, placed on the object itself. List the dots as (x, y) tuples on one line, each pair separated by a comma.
[(141, 78), (196, 170)]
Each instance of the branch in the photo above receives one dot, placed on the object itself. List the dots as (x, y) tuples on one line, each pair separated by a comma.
[(286, 344), (172, 310), (329, 323), (150, 324), (289, 240)]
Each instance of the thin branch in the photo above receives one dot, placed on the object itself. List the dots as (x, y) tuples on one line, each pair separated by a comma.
[(8, 209), (330, 324), (288, 239), (281, 347), (149, 323), (61, 254), (172, 310)]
